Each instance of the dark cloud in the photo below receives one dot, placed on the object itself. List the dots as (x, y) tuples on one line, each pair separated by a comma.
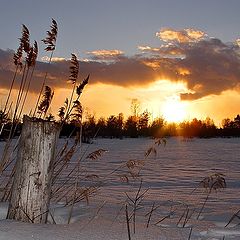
[(208, 66), (124, 72), (213, 67)]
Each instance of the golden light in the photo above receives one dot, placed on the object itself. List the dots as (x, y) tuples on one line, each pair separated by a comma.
[(174, 110)]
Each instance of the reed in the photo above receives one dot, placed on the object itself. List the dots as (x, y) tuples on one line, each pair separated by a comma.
[(50, 42), (74, 70), (31, 62), (45, 102), (215, 182)]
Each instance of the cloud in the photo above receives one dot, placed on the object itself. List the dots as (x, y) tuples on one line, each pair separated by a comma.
[(238, 42), (181, 36), (54, 59), (105, 54), (207, 65), (123, 71), (213, 68), (165, 51), (148, 49)]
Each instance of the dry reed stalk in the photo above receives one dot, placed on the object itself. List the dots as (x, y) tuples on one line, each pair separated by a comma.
[(65, 159), (10, 89), (50, 41), (31, 60), (186, 217), (150, 214), (190, 233), (73, 201), (46, 101), (77, 104), (25, 43), (18, 101), (94, 216), (23, 46), (171, 212), (76, 166), (215, 182), (52, 217), (235, 215), (85, 194), (135, 203), (8, 186), (127, 220), (151, 150), (6, 155), (63, 194), (74, 70)]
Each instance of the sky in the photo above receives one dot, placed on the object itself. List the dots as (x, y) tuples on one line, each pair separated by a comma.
[(180, 58)]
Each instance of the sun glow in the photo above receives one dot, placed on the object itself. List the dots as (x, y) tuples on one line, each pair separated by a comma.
[(174, 110)]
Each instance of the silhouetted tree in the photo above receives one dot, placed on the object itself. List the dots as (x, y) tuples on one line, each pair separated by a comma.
[(135, 107), (131, 127), (156, 127), (237, 121), (89, 128), (101, 127), (143, 121)]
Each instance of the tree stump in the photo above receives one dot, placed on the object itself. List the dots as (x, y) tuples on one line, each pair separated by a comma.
[(31, 188)]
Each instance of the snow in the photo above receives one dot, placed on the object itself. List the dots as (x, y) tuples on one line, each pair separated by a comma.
[(170, 177)]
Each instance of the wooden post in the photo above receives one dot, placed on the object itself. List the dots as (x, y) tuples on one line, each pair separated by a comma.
[(31, 188)]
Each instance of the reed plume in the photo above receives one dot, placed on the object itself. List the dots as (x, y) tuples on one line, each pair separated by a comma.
[(32, 55), (46, 101), (215, 182), (79, 90), (62, 110), (51, 37), (17, 57), (25, 39), (74, 69), (96, 154), (78, 112), (81, 86)]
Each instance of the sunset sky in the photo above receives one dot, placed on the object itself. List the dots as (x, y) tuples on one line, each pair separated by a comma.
[(180, 58)]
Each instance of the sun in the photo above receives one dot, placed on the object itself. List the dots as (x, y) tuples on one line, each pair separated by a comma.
[(174, 110)]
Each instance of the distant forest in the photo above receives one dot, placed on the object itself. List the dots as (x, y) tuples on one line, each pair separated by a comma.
[(139, 125)]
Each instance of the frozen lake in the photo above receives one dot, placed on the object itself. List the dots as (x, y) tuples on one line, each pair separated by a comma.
[(175, 171), (171, 179)]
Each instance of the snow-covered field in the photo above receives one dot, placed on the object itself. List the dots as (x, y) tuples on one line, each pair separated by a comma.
[(171, 179)]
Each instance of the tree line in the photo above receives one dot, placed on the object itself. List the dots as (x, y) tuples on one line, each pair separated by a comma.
[(116, 126)]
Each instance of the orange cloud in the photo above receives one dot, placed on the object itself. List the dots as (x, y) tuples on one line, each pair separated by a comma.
[(166, 50), (207, 66), (182, 36), (54, 59), (147, 48), (238, 42), (105, 54)]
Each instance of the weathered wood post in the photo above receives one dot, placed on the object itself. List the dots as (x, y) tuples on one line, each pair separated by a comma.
[(31, 188)]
